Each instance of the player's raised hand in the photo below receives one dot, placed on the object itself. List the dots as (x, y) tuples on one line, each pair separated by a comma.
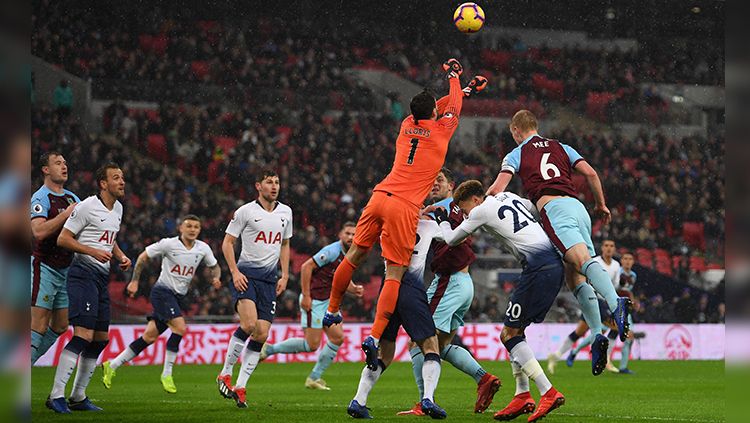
[(477, 84), (306, 303), (603, 213), (69, 210), (216, 283), (441, 215), (453, 68), (132, 288), (100, 255), (240, 281), (281, 285), (125, 263), (427, 210)]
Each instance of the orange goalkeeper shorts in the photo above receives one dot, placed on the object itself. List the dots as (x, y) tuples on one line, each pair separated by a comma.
[(395, 221)]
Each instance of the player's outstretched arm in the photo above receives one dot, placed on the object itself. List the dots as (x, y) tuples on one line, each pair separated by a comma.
[(215, 275), (592, 178), (140, 264), (41, 228), (501, 182)]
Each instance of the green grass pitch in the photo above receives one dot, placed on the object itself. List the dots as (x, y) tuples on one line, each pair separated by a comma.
[(659, 392)]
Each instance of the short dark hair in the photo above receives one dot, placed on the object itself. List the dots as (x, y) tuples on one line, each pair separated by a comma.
[(101, 173), (422, 105), (349, 224), (448, 174), (468, 189), (44, 158), (190, 217), (265, 173)]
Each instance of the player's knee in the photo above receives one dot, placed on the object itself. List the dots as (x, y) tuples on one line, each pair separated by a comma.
[(336, 339), (59, 327), (150, 337), (260, 334), (508, 333), (248, 328)]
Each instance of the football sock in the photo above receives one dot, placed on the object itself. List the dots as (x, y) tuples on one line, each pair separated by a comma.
[(236, 345), (612, 335), (524, 356), (625, 354), (589, 306), (567, 343), (341, 279), (129, 353), (86, 367), (386, 305), (461, 359), (287, 346), (588, 340), (417, 360), (250, 358), (431, 374), (367, 381), (601, 282), (66, 364), (325, 358), (36, 342), (522, 381), (170, 355)]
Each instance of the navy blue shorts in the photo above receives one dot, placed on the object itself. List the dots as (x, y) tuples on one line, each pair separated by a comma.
[(413, 313), (167, 304), (603, 311), (88, 296), (262, 293), (535, 293)]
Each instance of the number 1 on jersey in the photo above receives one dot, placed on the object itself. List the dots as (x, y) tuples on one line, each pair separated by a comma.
[(413, 151)]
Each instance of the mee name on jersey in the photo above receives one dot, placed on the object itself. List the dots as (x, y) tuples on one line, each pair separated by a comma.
[(178, 263), (94, 225), (261, 233)]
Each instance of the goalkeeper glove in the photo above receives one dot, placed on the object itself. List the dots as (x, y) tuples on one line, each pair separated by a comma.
[(453, 68), (475, 85)]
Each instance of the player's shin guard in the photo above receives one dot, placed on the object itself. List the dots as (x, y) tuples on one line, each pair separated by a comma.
[(385, 307), (461, 359), (430, 375), (522, 381), (234, 350), (129, 353), (341, 279), (86, 367), (367, 381), (588, 340), (601, 282), (250, 359), (325, 359), (66, 364), (524, 356), (417, 361), (586, 297), (170, 355)]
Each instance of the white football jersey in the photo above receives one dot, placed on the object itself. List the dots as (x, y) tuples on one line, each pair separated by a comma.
[(178, 264), (613, 270), (427, 231), (510, 220), (261, 232), (94, 225)]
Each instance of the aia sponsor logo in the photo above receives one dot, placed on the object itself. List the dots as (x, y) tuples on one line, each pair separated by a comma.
[(268, 238), (678, 343)]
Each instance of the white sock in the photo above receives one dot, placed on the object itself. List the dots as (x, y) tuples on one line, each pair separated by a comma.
[(86, 367), (610, 349), (522, 381), (523, 354), (366, 382), (233, 353), (169, 359), (430, 375), (64, 370), (125, 356), (249, 363), (566, 345)]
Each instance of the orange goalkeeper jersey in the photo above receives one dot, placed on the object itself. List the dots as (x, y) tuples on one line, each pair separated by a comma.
[(421, 149)]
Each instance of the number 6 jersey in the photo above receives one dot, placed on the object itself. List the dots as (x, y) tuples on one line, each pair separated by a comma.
[(509, 219), (544, 165)]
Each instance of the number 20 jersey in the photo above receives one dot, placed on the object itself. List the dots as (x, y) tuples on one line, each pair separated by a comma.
[(544, 165)]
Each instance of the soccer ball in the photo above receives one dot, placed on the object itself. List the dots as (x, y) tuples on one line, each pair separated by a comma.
[(469, 17)]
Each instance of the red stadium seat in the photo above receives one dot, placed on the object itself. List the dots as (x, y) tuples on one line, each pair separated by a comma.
[(225, 143), (694, 235), (645, 258), (698, 264), (199, 69)]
